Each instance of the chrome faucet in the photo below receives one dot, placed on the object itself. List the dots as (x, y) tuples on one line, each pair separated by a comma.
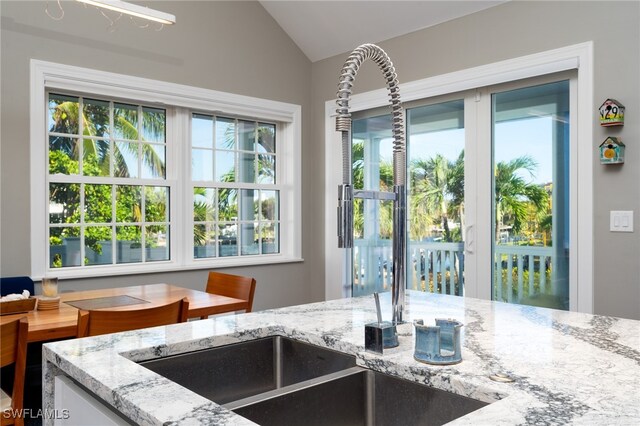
[(346, 192)]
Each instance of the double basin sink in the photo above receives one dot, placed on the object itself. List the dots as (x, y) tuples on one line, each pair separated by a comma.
[(280, 381)]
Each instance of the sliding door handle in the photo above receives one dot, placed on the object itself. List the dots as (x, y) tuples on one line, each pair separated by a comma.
[(470, 239)]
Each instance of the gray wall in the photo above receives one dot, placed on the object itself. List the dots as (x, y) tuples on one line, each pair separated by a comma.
[(238, 48), (521, 28), (233, 47)]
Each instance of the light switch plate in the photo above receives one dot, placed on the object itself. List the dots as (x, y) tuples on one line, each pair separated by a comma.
[(621, 221)]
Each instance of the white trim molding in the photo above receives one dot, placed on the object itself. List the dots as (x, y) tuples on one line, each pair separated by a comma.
[(179, 101), (576, 57)]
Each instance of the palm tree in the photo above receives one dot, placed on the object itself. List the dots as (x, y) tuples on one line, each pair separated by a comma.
[(513, 193), (456, 191), (202, 210), (65, 115), (64, 158), (433, 184)]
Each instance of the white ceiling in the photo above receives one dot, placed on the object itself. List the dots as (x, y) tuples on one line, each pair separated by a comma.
[(326, 28)]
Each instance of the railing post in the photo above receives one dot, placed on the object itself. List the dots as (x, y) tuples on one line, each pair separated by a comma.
[(520, 277), (532, 272)]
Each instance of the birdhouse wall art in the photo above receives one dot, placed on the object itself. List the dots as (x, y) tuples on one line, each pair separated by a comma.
[(612, 151), (611, 113)]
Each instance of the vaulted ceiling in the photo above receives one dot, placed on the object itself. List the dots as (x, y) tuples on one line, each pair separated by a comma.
[(326, 28)]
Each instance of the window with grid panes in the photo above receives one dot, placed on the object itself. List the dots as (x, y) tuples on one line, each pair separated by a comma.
[(235, 188), (107, 190), (131, 175)]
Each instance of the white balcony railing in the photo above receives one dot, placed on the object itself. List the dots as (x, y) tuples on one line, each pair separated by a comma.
[(524, 272), (439, 268), (435, 267)]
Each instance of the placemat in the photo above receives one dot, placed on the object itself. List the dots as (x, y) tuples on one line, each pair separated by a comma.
[(105, 302)]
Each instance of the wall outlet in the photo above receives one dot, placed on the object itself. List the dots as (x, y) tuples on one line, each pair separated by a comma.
[(621, 221)]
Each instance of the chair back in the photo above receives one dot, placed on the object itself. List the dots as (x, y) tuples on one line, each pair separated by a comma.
[(235, 286), (95, 322), (13, 336), (10, 285)]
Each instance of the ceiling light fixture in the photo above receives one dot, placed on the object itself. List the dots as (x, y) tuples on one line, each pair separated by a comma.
[(133, 10)]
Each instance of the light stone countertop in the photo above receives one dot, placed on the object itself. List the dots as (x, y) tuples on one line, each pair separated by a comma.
[(569, 368)]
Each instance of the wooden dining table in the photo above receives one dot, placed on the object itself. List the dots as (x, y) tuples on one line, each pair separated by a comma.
[(61, 323)]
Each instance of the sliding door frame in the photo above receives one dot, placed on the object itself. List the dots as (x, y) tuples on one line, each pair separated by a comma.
[(577, 57)]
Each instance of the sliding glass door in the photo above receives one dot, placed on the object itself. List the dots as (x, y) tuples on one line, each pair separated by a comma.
[(372, 170), (530, 138), (488, 195), (435, 259), (436, 139)]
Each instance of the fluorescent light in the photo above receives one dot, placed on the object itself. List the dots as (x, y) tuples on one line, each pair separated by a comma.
[(134, 10)]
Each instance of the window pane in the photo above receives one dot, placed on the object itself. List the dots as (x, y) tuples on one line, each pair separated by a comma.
[(204, 241), (112, 147), (436, 139), (246, 135), (228, 240), (266, 168), (266, 138), (64, 114), (225, 166), (95, 159), (247, 165), (249, 204), (249, 235), (156, 204), (128, 204), (153, 161), (227, 204), (531, 195), (64, 203), (98, 247), (125, 121), (126, 160), (63, 155), (202, 131), (201, 165), (97, 202), (225, 133), (95, 118), (204, 204), (64, 247), (269, 205), (270, 238), (153, 124), (157, 242), (372, 154), (128, 246)]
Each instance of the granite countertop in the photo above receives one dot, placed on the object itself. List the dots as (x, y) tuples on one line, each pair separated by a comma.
[(569, 368)]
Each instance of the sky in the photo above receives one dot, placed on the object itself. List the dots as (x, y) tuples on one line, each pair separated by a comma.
[(512, 139)]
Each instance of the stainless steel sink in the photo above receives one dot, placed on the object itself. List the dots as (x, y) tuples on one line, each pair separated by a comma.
[(280, 381), (355, 397), (232, 372)]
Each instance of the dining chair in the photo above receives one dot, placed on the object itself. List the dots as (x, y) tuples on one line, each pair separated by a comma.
[(9, 285), (14, 351), (102, 321), (236, 286)]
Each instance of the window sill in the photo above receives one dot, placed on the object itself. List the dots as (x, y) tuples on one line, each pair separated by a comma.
[(160, 267)]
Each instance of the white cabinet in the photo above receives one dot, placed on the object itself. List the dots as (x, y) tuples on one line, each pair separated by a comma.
[(82, 408)]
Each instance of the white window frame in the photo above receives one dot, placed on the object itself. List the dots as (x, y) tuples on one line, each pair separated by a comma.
[(576, 57), (179, 100)]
